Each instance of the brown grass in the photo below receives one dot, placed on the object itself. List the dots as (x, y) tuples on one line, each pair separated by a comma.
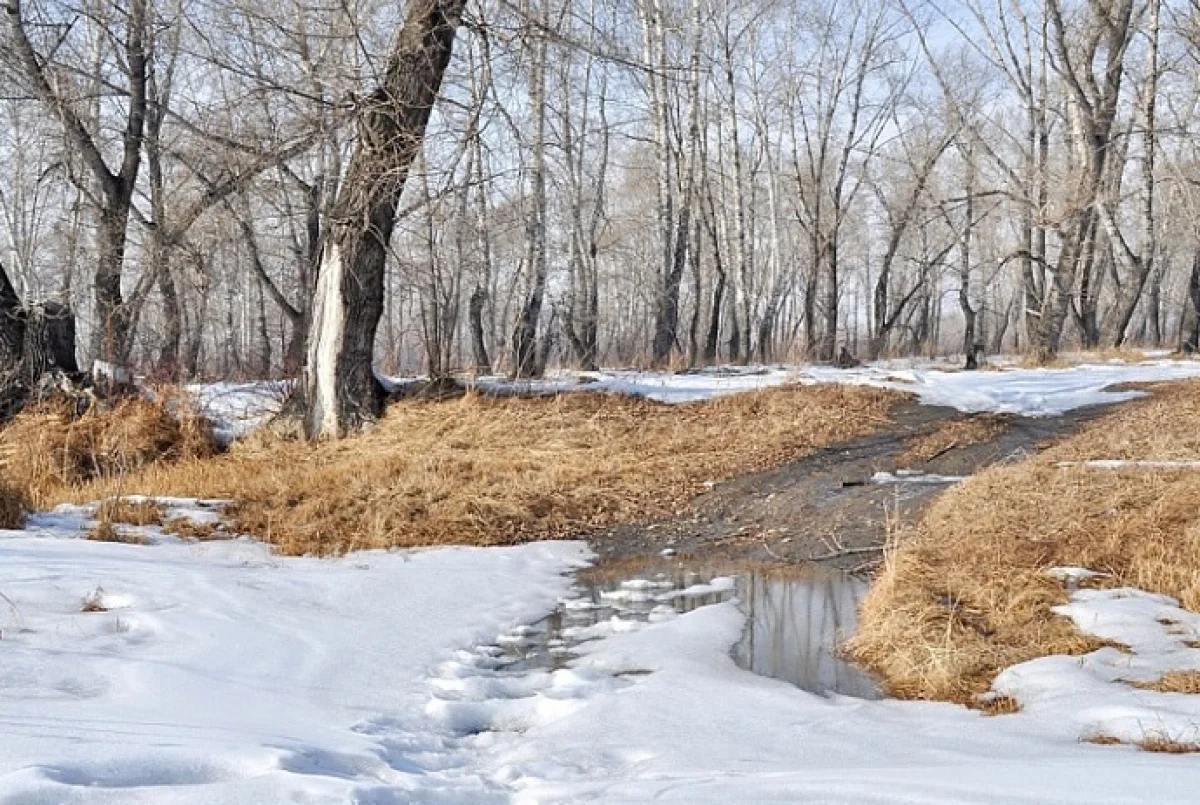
[(961, 432), (998, 705), (93, 602), (1151, 742), (1101, 739), (133, 512), (13, 505), (491, 471), (1097, 355), (1173, 682), (105, 531), (49, 449), (966, 593), (1156, 742), (187, 528)]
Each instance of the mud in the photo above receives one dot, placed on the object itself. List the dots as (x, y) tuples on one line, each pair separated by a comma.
[(829, 508)]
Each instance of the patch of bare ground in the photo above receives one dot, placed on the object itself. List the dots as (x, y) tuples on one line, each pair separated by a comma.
[(965, 593), (953, 434), (481, 470)]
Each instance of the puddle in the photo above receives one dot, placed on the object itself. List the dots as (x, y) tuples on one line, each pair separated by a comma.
[(795, 617), (793, 626)]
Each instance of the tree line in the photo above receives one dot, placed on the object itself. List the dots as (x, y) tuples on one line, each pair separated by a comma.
[(233, 189)]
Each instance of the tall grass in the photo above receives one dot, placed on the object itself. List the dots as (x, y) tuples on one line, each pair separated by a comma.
[(966, 592)]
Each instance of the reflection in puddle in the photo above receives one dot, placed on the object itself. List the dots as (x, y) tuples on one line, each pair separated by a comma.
[(793, 627), (794, 621)]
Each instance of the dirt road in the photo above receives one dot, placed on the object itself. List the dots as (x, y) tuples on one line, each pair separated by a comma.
[(831, 507)]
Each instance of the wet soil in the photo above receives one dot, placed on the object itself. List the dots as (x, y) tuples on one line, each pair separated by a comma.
[(829, 508)]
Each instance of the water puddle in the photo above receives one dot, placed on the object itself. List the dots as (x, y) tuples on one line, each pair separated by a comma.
[(795, 619)]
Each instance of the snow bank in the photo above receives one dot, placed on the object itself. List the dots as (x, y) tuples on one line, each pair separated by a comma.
[(1028, 392), (219, 673)]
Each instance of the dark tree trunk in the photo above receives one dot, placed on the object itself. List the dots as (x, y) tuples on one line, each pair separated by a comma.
[(1190, 328), (168, 356), (483, 361), (341, 390)]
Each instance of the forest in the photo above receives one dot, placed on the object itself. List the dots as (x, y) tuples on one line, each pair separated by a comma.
[(662, 183)]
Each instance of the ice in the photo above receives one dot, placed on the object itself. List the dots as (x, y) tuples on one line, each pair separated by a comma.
[(913, 477)]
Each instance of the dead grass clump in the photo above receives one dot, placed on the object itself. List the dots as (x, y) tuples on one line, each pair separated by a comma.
[(1157, 742), (966, 593), (1173, 682), (998, 705), (13, 506), (49, 448), (481, 470), (187, 528), (105, 531), (960, 432), (1100, 739), (133, 512), (93, 602)]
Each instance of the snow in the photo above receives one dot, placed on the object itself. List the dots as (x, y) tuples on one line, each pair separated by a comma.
[(914, 477), (696, 728), (239, 408), (1124, 464), (220, 673), (1007, 390)]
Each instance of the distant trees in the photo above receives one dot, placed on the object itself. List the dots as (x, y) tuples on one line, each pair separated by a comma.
[(655, 182)]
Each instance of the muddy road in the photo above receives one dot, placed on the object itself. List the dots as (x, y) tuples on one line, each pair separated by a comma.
[(834, 506)]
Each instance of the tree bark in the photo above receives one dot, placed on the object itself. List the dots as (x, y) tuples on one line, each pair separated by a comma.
[(342, 392)]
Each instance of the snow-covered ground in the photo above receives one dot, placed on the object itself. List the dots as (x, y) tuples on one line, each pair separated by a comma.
[(218, 673), (1030, 392), (238, 408)]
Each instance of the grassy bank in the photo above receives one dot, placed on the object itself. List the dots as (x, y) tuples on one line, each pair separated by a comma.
[(965, 593), (474, 470)]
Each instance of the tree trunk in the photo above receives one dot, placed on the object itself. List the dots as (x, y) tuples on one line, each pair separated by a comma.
[(341, 390)]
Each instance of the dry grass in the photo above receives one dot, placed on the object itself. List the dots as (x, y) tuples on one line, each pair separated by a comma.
[(105, 531), (1156, 742), (966, 592), (1097, 355), (51, 448), (1151, 742), (1100, 739), (187, 528), (487, 471), (1173, 682), (998, 705), (961, 432), (93, 602), (133, 512), (13, 505)]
